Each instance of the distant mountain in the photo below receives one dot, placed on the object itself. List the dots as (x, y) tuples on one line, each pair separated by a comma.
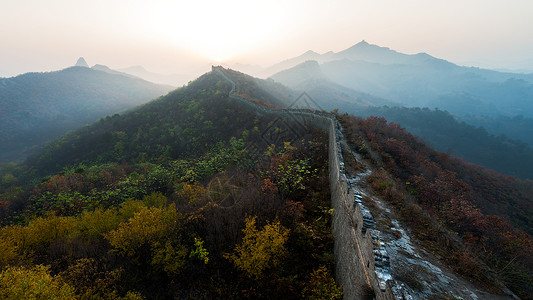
[(422, 80), (106, 69), (361, 51), (37, 107), (169, 79), (373, 53), (438, 84), (438, 128), (298, 76), (290, 63), (81, 63), (308, 77), (251, 69), (517, 127)]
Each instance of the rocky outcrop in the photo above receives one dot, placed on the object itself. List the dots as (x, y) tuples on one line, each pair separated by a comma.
[(81, 63)]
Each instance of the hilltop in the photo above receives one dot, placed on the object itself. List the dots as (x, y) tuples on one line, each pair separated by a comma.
[(37, 107), (205, 173)]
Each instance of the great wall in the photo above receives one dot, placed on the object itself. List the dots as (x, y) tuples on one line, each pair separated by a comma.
[(354, 245), (363, 253)]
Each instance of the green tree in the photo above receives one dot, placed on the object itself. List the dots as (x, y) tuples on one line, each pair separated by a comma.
[(199, 251), (289, 174)]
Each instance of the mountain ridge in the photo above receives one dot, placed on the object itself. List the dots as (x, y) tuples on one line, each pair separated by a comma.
[(514, 158), (194, 134), (360, 51), (308, 77), (37, 107)]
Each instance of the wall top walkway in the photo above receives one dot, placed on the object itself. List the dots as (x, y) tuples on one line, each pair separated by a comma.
[(353, 250)]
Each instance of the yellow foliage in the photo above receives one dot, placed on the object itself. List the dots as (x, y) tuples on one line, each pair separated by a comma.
[(33, 283), (96, 222), (8, 179), (260, 249), (147, 226), (321, 285), (169, 258), (152, 227), (8, 250), (133, 296), (129, 208), (40, 232), (43, 231), (156, 200), (271, 150), (287, 146), (194, 193), (199, 251)]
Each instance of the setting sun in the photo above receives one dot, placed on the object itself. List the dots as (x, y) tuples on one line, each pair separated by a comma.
[(219, 33)]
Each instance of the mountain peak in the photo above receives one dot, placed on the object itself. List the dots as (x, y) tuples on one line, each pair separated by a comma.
[(365, 46), (136, 68), (81, 63), (102, 68), (299, 76), (310, 63), (309, 55)]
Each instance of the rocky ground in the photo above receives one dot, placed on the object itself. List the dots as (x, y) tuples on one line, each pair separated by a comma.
[(400, 260)]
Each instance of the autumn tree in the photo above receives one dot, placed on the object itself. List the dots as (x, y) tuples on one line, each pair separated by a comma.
[(260, 249), (289, 174), (153, 228), (192, 193), (33, 283), (322, 286)]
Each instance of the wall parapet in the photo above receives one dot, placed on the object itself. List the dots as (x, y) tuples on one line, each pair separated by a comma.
[(355, 259)]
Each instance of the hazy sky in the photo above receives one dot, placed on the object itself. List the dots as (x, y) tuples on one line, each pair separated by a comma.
[(176, 36)]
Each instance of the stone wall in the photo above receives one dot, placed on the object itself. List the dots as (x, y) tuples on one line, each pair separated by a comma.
[(354, 246)]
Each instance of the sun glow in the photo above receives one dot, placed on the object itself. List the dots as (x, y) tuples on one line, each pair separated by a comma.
[(217, 30)]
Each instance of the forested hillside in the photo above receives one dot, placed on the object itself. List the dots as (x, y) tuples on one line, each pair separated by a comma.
[(184, 197), (433, 191), (438, 128), (517, 127), (195, 195), (37, 107), (474, 144)]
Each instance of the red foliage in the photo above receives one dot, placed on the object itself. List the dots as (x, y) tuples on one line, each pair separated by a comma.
[(3, 204), (466, 196), (269, 186)]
